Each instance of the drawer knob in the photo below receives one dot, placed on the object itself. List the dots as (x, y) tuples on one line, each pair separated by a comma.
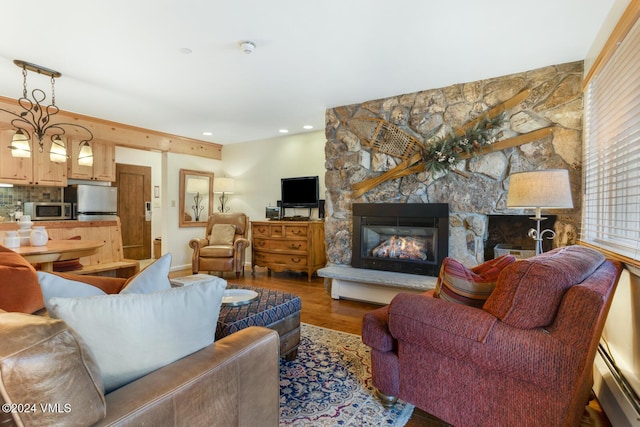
[(296, 260), (298, 246)]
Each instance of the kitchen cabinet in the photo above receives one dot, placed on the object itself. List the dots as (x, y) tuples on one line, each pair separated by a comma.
[(104, 162), (288, 245), (35, 170)]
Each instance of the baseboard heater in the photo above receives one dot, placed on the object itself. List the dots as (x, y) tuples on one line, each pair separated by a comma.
[(618, 376)]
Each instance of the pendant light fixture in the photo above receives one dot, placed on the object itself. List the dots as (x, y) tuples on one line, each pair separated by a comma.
[(20, 145), (85, 156), (34, 119)]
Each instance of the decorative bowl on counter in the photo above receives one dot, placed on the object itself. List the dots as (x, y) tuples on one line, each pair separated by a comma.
[(25, 225)]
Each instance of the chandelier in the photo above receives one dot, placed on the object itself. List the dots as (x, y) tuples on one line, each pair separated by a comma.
[(34, 119)]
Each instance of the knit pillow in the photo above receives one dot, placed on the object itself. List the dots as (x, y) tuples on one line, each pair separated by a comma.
[(222, 234), (459, 284), (491, 269)]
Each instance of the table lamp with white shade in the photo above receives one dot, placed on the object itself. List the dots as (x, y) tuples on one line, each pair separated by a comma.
[(224, 186), (548, 189)]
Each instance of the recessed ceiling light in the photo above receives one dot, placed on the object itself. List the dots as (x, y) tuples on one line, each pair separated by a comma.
[(283, 131), (185, 50), (207, 133), (307, 127)]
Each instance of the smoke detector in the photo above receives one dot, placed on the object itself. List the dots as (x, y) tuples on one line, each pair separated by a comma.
[(247, 47)]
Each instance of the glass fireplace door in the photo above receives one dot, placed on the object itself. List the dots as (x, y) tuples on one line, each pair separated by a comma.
[(399, 242)]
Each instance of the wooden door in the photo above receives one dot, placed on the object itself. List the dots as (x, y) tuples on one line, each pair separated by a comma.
[(134, 189)]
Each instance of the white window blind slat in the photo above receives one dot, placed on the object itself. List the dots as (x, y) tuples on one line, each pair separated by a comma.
[(610, 108), (611, 199)]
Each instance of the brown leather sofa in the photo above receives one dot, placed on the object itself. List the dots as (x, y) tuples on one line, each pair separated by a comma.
[(49, 377), (233, 382)]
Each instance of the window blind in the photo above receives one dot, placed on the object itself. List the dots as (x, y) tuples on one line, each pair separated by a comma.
[(611, 167)]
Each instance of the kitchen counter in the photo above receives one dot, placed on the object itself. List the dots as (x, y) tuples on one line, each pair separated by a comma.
[(107, 259), (8, 226)]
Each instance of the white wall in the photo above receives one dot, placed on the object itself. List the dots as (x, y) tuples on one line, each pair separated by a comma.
[(175, 239), (258, 166), (609, 24)]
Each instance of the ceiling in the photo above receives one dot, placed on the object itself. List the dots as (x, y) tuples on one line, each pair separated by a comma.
[(123, 60)]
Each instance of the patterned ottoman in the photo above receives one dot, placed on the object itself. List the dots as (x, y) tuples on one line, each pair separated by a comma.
[(276, 310)]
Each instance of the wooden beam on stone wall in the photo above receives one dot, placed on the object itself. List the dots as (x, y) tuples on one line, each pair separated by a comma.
[(515, 141), (415, 164), (123, 135), (495, 111)]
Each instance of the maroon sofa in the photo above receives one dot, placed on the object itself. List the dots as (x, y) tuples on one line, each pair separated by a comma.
[(525, 358)]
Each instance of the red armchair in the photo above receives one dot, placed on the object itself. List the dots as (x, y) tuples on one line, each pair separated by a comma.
[(531, 346)]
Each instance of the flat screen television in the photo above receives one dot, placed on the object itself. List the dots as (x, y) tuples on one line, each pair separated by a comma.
[(300, 192)]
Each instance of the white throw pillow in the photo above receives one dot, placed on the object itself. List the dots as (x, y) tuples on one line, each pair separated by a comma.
[(155, 277), (134, 334), (56, 286)]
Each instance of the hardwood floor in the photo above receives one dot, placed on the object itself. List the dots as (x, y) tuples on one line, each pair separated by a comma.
[(318, 308)]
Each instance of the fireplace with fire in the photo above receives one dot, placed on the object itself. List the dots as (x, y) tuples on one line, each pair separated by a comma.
[(402, 237)]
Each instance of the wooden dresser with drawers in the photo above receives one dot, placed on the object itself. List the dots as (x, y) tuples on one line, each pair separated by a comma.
[(288, 246)]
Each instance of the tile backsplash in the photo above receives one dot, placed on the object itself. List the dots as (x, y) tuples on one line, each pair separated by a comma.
[(10, 196)]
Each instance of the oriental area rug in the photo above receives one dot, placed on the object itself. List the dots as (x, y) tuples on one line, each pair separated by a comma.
[(329, 384)]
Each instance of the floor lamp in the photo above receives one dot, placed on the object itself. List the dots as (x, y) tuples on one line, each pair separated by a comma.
[(548, 189), (224, 186)]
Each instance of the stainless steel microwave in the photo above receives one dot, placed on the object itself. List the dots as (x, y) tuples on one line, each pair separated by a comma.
[(47, 211)]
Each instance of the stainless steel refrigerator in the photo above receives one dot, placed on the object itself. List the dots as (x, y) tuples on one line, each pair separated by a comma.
[(92, 202)]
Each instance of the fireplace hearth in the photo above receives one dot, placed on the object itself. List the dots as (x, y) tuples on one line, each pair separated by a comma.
[(401, 237)]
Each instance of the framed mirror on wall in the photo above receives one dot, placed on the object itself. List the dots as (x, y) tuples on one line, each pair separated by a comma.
[(196, 198)]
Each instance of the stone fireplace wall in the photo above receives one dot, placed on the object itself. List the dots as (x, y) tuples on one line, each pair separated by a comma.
[(555, 100)]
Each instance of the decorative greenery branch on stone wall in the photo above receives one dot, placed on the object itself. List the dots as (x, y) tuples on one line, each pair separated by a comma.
[(439, 155), (442, 154)]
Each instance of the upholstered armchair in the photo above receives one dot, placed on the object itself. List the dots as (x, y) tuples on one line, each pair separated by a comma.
[(524, 358), (223, 247)]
